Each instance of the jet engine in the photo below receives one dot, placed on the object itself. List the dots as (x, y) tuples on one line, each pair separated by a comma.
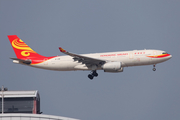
[(112, 67)]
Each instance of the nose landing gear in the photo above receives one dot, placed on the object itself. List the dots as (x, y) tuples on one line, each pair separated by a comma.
[(154, 69), (93, 74)]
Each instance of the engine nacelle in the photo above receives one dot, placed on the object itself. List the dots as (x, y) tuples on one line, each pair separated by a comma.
[(112, 67)]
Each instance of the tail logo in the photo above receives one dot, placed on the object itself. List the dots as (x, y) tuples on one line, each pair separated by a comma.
[(20, 45)]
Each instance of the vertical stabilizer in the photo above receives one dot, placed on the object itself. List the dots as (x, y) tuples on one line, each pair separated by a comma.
[(21, 49)]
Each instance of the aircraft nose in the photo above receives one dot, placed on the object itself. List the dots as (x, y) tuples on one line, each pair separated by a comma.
[(170, 56)]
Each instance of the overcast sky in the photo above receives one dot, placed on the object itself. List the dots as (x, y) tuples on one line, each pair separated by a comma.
[(92, 26)]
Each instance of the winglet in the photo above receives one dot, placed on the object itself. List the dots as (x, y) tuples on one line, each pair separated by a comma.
[(61, 49)]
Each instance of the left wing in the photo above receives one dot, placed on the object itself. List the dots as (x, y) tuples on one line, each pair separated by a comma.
[(89, 61)]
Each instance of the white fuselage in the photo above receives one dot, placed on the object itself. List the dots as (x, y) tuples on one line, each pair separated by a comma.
[(127, 58), (109, 61)]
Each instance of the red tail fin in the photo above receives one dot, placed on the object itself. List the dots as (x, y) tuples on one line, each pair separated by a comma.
[(21, 49)]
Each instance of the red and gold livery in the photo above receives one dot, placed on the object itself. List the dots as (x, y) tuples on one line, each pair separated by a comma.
[(113, 62), (160, 56), (24, 52)]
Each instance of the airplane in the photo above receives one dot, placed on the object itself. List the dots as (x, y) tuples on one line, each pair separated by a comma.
[(113, 62)]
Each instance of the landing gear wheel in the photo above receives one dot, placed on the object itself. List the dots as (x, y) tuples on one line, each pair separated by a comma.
[(154, 69), (95, 74), (90, 76)]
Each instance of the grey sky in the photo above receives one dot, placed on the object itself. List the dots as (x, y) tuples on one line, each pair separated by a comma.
[(88, 27)]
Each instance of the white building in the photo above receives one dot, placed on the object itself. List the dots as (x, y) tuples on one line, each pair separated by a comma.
[(17, 116)]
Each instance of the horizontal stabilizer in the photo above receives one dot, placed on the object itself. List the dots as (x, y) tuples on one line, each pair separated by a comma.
[(28, 62)]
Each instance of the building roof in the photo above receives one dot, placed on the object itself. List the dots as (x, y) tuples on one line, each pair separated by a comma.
[(32, 116), (15, 94)]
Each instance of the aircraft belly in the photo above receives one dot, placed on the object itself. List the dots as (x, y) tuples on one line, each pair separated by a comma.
[(135, 61), (81, 67), (142, 60), (59, 66)]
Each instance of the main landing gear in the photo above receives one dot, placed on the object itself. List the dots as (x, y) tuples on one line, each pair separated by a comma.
[(93, 74), (154, 69)]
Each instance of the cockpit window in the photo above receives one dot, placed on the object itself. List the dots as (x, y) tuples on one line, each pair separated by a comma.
[(164, 53)]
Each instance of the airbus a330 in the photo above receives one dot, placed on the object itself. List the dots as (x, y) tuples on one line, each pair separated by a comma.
[(108, 61)]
